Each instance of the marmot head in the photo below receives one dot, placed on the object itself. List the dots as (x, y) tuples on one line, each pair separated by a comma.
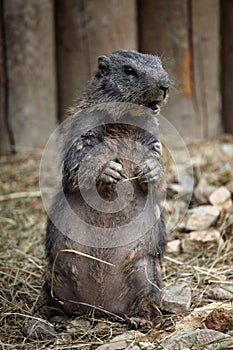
[(129, 76)]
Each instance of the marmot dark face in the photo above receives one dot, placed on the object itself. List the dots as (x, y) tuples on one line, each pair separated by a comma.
[(129, 76)]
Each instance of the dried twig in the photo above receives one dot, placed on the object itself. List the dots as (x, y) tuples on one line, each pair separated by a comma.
[(19, 195), (131, 178)]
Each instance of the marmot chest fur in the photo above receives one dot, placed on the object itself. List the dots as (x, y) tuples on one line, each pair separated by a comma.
[(106, 229)]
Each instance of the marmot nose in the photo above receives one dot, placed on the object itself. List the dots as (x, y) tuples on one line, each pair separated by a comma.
[(164, 85)]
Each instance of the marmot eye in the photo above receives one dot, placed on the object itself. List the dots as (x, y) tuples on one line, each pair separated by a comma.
[(130, 71)]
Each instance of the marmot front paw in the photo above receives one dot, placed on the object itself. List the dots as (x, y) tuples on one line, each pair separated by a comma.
[(149, 171), (157, 148), (112, 173)]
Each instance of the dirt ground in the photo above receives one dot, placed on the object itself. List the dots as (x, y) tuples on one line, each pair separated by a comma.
[(22, 224)]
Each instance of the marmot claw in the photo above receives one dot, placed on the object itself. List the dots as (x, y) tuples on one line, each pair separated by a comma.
[(149, 171), (112, 173)]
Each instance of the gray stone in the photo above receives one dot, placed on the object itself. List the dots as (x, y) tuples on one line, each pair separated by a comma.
[(202, 338), (205, 236), (183, 187), (203, 190), (201, 218), (222, 292), (146, 345), (196, 318), (176, 298), (197, 240), (221, 198), (81, 323), (227, 148), (127, 340), (174, 246), (38, 329)]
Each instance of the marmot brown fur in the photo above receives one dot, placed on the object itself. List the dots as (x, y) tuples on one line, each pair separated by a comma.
[(126, 280)]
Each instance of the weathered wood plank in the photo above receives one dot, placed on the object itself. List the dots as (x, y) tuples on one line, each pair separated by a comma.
[(226, 64), (85, 30), (206, 57), (6, 142), (31, 71), (185, 34)]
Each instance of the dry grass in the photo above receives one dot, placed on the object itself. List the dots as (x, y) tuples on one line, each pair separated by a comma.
[(22, 224)]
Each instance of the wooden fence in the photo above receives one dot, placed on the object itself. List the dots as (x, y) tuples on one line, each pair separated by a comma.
[(48, 51)]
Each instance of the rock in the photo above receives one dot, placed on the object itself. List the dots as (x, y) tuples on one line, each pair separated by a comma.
[(174, 246), (197, 240), (205, 236), (203, 190), (222, 292), (203, 338), (227, 148), (197, 317), (193, 320), (38, 329), (141, 346), (200, 218), (63, 338), (81, 323), (127, 340), (221, 198), (183, 187), (176, 298), (220, 320)]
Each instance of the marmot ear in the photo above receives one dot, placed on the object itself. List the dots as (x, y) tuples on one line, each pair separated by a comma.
[(103, 66)]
